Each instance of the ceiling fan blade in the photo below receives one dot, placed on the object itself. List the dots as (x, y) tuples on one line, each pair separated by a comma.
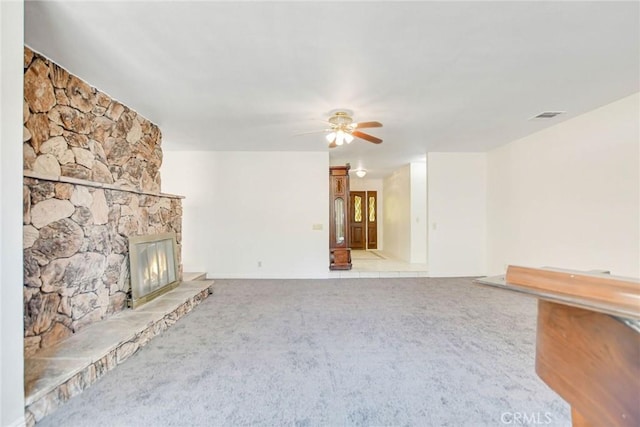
[(363, 125), (366, 137), (333, 145)]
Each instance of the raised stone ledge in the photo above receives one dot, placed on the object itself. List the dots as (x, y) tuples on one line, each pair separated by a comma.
[(77, 181), (58, 373)]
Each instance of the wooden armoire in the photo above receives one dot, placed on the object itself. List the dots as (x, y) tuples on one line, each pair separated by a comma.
[(339, 251)]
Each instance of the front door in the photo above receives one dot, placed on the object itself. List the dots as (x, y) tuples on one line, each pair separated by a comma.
[(372, 220), (357, 220)]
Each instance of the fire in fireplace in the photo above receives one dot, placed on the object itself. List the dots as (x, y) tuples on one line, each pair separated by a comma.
[(153, 265)]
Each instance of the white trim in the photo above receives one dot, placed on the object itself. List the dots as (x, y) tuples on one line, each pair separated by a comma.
[(20, 422)]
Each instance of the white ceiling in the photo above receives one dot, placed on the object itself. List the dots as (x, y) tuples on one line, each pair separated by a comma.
[(440, 76)]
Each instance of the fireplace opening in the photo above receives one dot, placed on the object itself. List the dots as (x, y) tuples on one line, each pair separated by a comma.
[(153, 264)]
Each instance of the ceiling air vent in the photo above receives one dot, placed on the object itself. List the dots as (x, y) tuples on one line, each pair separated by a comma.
[(547, 115)]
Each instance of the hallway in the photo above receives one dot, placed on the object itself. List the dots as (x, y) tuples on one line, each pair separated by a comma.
[(373, 264)]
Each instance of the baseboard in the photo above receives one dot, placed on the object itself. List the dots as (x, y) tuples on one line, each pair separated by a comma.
[(20, 422), (267, 276)]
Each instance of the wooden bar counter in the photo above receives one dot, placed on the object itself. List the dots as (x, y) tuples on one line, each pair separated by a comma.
[(588, 340)]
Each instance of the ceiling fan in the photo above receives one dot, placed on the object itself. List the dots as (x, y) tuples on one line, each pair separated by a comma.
[(342, 129)]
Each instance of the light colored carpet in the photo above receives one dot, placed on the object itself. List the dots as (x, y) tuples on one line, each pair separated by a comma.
[(344, 352)]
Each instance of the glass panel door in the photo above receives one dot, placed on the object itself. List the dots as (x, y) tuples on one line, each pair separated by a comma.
[(339, 214)]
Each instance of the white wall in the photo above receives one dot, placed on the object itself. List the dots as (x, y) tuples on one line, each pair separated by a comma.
[(569, 196), (372, 184), (457, 214), (418, 214), (11, 323), (405, 213), (242, 208), (397, 209)]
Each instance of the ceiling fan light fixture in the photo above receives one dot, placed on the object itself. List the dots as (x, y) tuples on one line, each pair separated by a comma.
[(343, 129), (331, 137), (360, 173)]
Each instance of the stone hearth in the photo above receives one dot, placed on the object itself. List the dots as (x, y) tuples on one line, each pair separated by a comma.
[(56, 374)]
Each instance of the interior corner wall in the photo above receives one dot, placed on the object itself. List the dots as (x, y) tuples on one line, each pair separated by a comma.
[(252, 214), (372, 184), (418, 215), (569, 196), (397, 214), (456, 206), (11, 341)]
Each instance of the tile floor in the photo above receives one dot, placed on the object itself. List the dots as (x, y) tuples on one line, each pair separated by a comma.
[(372, 264)]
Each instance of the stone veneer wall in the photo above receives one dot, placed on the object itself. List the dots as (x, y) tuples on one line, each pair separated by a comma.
[(74, 130), (91, 180)]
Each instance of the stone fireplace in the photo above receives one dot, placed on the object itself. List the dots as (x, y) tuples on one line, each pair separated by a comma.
[(91, 185)]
